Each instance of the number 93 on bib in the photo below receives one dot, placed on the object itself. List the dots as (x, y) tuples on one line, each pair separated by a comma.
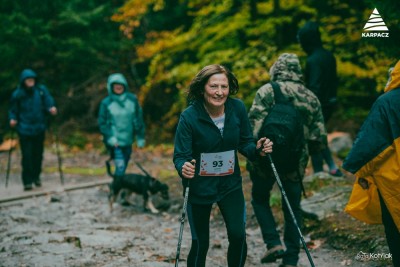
[(217, 164)]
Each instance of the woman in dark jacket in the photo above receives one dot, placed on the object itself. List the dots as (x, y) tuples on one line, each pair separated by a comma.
[(209, 134)]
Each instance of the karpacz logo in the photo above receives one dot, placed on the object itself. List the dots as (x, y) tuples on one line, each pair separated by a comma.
[(375, 34), (375, 23)]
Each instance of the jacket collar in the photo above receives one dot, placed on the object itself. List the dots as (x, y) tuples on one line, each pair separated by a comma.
[(203, 115)]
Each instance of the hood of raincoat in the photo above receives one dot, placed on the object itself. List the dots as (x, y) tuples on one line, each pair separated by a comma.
[(25, 74), (120, 79), (286, 68), (309, 37), (394, 78)]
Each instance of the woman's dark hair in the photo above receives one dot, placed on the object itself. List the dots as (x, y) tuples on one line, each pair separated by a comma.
[(196, 88)]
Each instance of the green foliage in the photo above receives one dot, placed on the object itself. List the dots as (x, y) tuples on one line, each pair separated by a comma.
[(65, 42), (248, 41), (161, 44), (76, 139)]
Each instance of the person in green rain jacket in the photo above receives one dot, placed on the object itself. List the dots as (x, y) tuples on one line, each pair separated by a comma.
[(120, 121)]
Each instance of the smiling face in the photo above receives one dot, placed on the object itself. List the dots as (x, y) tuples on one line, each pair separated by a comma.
[(118, 88), (216, 90)]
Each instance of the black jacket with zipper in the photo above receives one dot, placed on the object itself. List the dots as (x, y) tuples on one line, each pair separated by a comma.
[(197, 133)]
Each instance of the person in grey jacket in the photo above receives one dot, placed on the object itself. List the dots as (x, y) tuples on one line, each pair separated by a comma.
[(120, 121), (31, 103), (210, 132)]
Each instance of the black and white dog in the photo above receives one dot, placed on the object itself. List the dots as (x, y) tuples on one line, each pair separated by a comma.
[(144, 185)]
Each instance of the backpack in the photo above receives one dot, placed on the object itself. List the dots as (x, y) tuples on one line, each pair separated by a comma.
[(284, 127)]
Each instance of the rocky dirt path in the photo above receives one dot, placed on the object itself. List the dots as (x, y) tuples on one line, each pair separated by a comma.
[(76, 228)]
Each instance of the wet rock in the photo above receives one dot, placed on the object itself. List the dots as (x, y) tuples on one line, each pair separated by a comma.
[(84, 218), (339, 142), (329, 200), (55, 198)]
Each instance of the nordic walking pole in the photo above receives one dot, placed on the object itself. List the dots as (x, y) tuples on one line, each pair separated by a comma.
[(9, 158), (178, 248), (56, 139), (278, 180)]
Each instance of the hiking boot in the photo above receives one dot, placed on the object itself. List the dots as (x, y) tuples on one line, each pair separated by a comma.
[(28, 187), (336, 173), (271, 255), (38, 183)]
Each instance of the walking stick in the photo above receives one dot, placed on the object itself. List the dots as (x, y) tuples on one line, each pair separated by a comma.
[(9, 158), (278, 180), (56, 139), (178, 248)]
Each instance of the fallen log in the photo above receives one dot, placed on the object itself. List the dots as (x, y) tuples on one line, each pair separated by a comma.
[(54, 190)]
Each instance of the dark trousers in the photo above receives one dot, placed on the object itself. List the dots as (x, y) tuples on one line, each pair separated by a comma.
[(392, 233), (233, 210), (32, 156), (318, 159), (261, 192)]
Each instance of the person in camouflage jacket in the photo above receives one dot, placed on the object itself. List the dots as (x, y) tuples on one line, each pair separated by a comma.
[(286, 72)]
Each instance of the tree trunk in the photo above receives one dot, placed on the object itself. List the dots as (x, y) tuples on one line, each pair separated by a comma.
[(253, 10), (277, 7)]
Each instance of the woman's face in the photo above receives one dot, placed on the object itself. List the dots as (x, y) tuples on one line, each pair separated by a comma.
[(216, 90), (118, 88)]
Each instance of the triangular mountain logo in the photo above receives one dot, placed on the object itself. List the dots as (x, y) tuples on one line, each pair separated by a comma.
[(375, 22)]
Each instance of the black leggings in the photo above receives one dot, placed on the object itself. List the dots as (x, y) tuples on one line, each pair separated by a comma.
[(392, 233), (233, 210)]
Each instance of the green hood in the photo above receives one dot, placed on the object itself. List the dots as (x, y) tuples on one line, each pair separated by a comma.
[(286, 68), (120, 79)]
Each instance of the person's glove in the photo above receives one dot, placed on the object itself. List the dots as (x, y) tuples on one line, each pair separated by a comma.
[(141, 143)]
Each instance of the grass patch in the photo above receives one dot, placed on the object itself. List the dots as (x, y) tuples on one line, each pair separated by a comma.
[(77, 170), (165, 174)]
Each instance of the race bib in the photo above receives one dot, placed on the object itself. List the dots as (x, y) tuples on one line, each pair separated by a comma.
[(217, 164)]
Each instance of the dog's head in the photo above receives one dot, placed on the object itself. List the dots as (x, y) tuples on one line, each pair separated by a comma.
[(159, 187)]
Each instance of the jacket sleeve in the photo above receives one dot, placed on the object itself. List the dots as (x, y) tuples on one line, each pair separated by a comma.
[(105, 124), (48, 99), (262, 104), (247, 146), (13, 112), (374, 137), (138, 124), (183, 144)]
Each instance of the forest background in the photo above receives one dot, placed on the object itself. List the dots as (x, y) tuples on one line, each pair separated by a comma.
[(159, 45)]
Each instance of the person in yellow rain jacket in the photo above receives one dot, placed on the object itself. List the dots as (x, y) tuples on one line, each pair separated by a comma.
[(375, 160)]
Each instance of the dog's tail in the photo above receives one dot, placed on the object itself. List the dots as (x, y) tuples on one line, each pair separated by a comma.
[(108, 166)]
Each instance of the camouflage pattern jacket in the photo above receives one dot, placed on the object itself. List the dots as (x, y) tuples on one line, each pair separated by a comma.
[(286, 71)]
